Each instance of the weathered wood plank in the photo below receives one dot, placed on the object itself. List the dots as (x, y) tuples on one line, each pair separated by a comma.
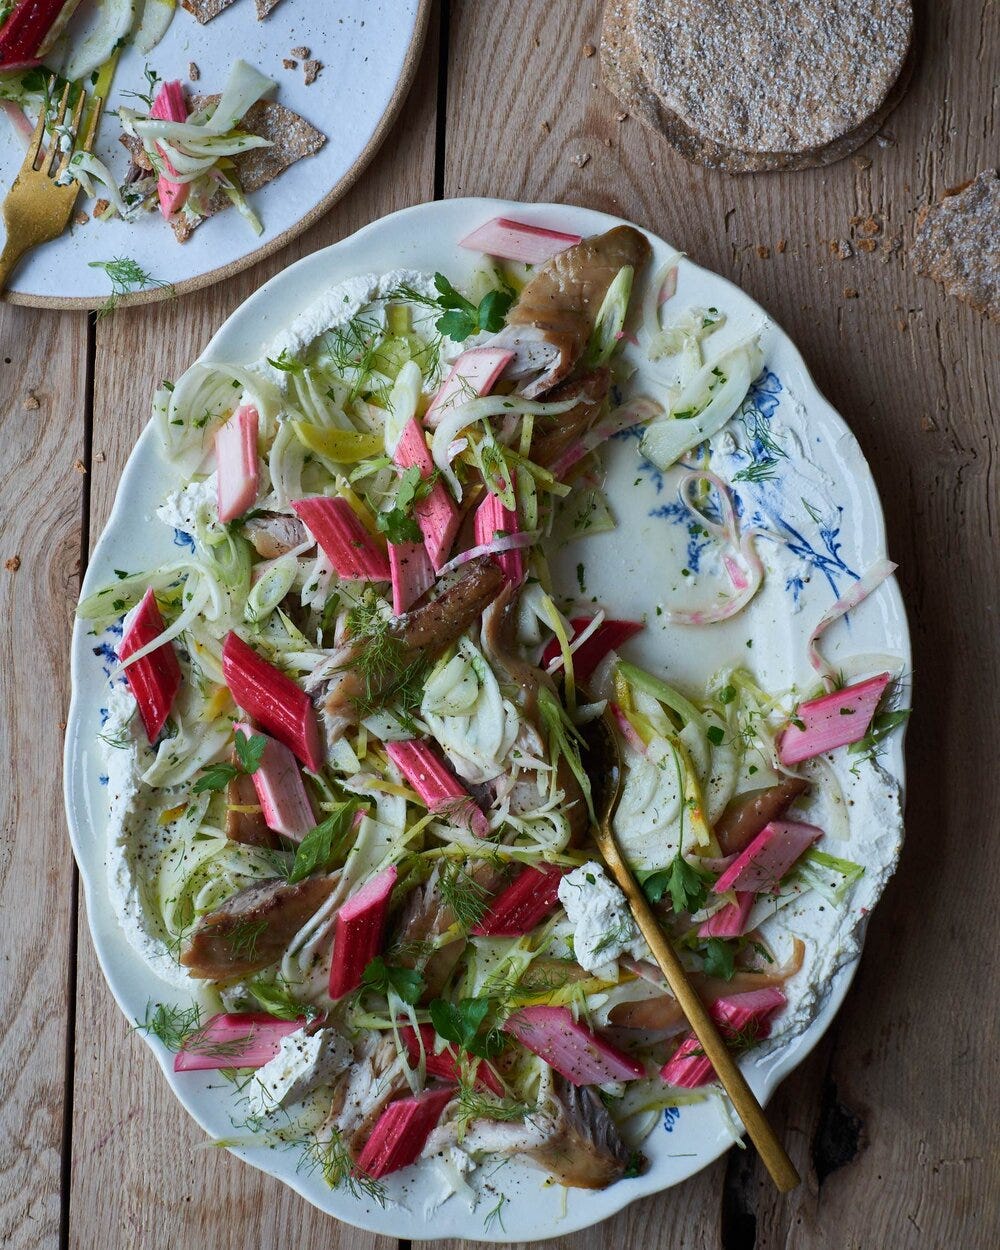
[(138, 1172), (916, 375), (42, 386)]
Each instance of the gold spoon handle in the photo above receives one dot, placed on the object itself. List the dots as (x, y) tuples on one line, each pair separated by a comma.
[(749, 1110)]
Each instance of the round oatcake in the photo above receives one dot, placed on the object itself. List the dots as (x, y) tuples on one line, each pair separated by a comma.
[(744, 85)]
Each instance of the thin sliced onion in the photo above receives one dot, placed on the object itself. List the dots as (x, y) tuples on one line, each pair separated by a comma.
[(863, 587), (508, 542), (742, 563), (636, 412), (198, 600), (577, 642)]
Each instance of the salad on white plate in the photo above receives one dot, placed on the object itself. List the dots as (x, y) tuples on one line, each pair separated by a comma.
[(349, 806)]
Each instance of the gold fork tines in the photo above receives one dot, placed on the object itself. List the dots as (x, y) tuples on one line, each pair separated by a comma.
[(38, 206)]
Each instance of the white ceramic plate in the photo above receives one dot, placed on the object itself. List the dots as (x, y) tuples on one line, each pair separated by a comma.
[(369, 50), (632, 570)]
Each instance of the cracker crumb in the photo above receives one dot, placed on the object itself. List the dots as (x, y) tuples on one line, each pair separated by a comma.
[(580, 159), (763, 252), (886, 140), (850, 292), (301, 53), (589, 49), (79, 466), (621, 117), (546, 127), (101, 207), (871, 225), (194, 73), (12, 564), (607, 143), (99, 457), (311, 71), (288, 63), (31, 403), (780, 246), (927, 424), (80, 217), (867, 245), (956, 243), (862, 162), (901, 326), (841, 249)]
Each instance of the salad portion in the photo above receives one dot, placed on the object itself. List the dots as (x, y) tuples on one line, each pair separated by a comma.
[(350, 798)]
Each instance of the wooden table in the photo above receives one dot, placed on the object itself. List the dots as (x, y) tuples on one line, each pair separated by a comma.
[(890, 1121)]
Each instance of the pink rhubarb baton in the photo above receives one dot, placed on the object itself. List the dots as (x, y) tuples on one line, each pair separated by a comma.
[(358, 932), (831, 721), (343, 539), (473, 374), (516, 240), (583, 1057), (524, 904), (236, 463), (170, 106), (608, 636), (445, 1064), (283, 799), (746, 1017), (495, 520), (30, 30), (731, 920), (154, 678), (437, 513), (436, 784), (245, 1040), (411, 572), (768, 857), (402, 1131), (273, 700)]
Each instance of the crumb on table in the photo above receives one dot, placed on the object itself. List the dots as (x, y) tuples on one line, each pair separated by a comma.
[(12, 564), (289, 63), (311, 71), (31, 402), (194, 73), (301, 53)]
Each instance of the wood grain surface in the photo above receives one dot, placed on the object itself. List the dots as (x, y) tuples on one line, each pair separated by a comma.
[(892, 1120)]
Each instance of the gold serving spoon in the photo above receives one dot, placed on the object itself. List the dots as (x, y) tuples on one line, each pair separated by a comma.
[(603, 762)]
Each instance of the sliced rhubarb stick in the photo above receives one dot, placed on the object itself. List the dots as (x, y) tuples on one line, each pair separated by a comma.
[(731, 920), (831, 721), (31, 28), (445, 1064), (283, 799), (412, 574), (402, 1131), (746, 1017), (516, 240), (437, 785), (495, 520), (628, 730), (170, 106), (357, 934), (345, 542), (608, 636), (155, 678), (236, 463), (524, 903), (273, 700), (474, 373), (583, 1057), (768, 857), (437, 514), (246, 1040)]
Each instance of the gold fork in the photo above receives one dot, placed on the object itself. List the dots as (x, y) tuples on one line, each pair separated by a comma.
[(37, 209)]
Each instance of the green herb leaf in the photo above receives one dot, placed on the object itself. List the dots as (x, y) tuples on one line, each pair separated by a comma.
[(716, 735), (493, 309), (317, 847), (249, 751), (687, 887), (720, 959), (405, 983), (460, 1023), (215, 777)]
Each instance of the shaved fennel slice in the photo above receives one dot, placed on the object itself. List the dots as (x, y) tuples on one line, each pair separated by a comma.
[(155, 18), (111, 23), (713, 395), (207, 392)]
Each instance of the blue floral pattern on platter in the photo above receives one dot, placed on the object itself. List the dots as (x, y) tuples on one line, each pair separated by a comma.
[(762, 473)]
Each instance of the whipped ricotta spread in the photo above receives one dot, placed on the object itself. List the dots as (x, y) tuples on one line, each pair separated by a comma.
[(603, 928)]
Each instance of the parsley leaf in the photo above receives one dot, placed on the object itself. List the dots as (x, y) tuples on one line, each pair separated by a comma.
[(397, 522), (460, 1023), (462, 318), (249, 751), (317, 847), (406, 983), (720, 959), (716, 735), (215, 777), (687, 887)]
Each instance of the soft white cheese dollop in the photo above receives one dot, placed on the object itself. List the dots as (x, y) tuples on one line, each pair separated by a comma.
[(603, 928), (303, 1062), (197, 502)]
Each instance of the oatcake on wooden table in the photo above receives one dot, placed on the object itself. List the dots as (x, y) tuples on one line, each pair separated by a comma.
[(743, 86)]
